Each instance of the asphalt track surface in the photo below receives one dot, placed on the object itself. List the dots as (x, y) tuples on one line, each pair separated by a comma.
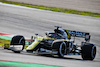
[(28, 21), (82, 5)]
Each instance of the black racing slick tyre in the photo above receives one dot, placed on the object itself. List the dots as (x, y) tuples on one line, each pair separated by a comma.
[(16, 43), (59, 46), (88, 52)]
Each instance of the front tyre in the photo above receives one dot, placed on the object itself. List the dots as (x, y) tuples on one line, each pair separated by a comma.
[(60, 47), (62, 50), (88, 52), (17, 43)]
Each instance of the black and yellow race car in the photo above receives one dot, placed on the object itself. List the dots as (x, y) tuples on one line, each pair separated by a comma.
[(58, 42)]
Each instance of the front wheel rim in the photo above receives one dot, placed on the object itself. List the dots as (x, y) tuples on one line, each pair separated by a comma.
[(93, 54), (62, 49)]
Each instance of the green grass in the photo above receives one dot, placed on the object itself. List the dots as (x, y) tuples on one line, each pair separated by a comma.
[(54, 9)]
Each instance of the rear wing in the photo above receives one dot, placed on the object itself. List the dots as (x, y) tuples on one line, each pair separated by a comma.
[(79, 34)]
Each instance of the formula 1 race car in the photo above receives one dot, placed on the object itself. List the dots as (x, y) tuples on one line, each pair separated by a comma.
[(57, 43)]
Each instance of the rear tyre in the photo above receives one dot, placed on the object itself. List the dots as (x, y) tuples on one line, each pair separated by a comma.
[(17, 41), (88, 52), (59, 46)]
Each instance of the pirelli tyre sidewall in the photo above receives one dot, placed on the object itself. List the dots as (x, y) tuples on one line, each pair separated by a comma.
[(59, 46), (17, 40), (88, 52)]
